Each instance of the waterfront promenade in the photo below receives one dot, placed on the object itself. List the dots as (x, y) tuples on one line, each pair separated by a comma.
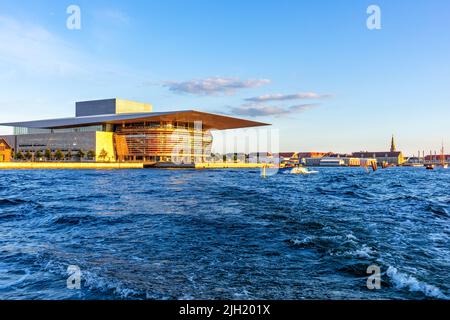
[(122, 165)]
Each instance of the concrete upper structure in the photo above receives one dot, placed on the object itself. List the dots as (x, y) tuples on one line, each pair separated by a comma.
[(110, 106)]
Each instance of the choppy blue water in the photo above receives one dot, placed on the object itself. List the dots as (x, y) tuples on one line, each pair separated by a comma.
[(229, 234)]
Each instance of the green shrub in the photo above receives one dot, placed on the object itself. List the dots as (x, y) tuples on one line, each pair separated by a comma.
[(48, 154), (59, 155), (91, 154)]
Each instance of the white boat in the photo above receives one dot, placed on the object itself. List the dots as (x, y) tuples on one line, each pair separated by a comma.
[(301, 170)]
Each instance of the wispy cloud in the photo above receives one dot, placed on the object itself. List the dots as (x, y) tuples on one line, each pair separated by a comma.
[(214, 86), (32, 48), (287, 97), (257, 110), (114, 15)]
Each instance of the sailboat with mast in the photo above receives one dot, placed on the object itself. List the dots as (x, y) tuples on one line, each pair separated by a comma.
[(442, 163)]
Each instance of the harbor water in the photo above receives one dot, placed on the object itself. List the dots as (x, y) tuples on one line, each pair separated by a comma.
[(224, 234)]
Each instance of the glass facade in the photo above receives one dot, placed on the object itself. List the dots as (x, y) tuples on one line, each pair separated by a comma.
[(182, 142), (22, 131), (155, 141)]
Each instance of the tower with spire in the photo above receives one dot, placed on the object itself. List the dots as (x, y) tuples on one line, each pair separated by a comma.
[(393, 147), (393, 157)]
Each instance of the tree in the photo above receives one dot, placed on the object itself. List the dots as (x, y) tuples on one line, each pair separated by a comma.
[(28, 155), (91, 154), (59, 155), (38, 155), (19, 156), (103, 154), (48, 154), (69, 155), (80, 154)]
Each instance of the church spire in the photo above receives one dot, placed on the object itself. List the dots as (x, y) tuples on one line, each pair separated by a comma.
[(393, 147)]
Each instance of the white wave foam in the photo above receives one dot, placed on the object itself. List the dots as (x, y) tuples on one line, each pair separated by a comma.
[(364, 252), (303, 241), (404, 281), (359, 251), (351, 237), (93, 281)]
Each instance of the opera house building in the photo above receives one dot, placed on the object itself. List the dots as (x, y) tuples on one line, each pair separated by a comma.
[(122, 130)]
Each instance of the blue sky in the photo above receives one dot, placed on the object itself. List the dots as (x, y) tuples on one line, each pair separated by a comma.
[(311, 68)]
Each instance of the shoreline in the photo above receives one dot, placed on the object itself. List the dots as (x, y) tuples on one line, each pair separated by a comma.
[(68, 165), (120, 165), (143, 165)]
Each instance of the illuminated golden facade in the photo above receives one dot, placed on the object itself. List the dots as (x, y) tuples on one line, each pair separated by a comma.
[(163, 141)]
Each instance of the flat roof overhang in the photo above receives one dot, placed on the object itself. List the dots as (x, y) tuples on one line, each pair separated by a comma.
[(209, 120)]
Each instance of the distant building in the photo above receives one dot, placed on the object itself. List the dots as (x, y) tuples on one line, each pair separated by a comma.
[(288, 158), (395, 158), (260, 157), (414, 160), (311, 162), (348, 159), (332, 162), (236, 157), (311, 159), (288, 155), (339, 155), (352, 162), (437, 158), (5, 151), (391, 157), (302, 155)]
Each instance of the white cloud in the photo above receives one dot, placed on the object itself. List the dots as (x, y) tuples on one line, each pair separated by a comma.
[(286, 97), (214, 85), (257, 110)]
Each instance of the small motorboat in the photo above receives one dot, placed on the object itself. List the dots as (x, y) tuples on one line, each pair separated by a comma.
[(301, 170), (429, 167)]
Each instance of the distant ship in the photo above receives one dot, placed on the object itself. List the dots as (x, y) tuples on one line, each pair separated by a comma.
[(443, 164)]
